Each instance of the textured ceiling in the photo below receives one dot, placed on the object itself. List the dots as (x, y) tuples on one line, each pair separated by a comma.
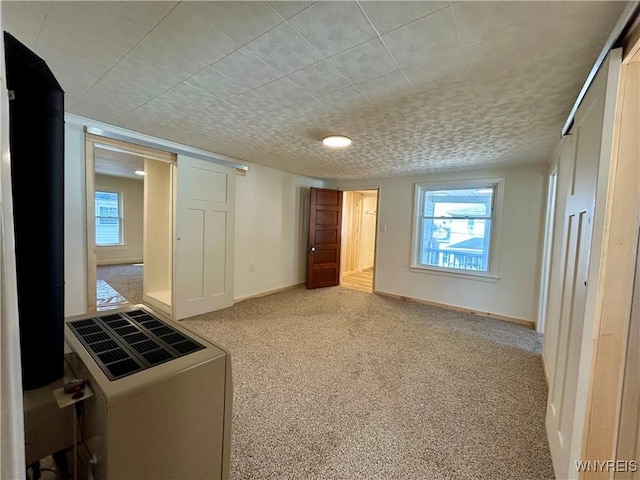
[(118, 164), (420, 86)]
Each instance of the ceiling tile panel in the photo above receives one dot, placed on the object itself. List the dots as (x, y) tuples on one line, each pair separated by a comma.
[(426, 39), (255, 103), (246, 69), (24, 20), (130, 84), (83, 40), (98, 107), (510, 85), (385, 87), (141, 121), (493, 56), (481, 21), (215, 83), (219, 116), (438, 73), (309, 109), (284, 49), (290, 8), (242, 21), (96, 34), (319, 78), (187, 38), (283, 92), (178, 102), (364, 62), (589, 21), (333, 27), (387, 16), (344, 99)]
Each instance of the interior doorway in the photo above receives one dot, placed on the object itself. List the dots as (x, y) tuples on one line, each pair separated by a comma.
[(129, 225), (359, 228), (547, 250)]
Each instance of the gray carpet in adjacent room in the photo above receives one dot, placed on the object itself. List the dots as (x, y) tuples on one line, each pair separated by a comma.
[(124, 279), (340, 384)]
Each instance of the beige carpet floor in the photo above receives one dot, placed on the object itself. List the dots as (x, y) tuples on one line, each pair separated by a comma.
[(124, 279), (339, 384)]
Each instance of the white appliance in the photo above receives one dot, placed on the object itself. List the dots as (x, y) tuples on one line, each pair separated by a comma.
[(162, 404)]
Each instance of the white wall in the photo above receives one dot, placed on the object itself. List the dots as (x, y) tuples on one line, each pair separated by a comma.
[(272, 211), (367, 231), (75, 219), (12, 441), (272, 217), (132, 206), (515, 294)]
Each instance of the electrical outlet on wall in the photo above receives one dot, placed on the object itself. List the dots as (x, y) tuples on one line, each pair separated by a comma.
[(252, 266)]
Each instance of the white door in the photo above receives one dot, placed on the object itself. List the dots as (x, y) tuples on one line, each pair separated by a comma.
[(205, 222), (567, 354)]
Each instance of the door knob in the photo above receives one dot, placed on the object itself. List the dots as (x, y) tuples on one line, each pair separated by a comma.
[(312, 249)]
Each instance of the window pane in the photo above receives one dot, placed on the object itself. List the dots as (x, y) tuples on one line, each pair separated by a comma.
[(459, 235), (471, 202), (107, 213), (107, 231)]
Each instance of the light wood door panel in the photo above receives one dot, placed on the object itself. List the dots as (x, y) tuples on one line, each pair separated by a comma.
[(629, 435)]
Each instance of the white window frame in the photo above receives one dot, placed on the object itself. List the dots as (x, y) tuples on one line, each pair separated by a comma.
[(120, 216), (494, 240)]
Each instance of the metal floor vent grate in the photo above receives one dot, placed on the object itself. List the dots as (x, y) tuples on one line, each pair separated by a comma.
[(129, 342)]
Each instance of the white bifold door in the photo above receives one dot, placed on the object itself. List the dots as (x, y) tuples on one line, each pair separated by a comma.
[(205, 223)]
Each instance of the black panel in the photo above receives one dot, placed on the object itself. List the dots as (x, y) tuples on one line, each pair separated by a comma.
[(36, 143), (123, 344)]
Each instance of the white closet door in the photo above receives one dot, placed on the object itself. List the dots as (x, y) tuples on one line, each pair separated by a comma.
[(570, 338), (205, 223)]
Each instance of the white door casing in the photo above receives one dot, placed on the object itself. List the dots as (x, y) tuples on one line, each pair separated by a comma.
[(205, 225)]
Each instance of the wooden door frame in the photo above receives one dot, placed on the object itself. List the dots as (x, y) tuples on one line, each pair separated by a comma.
[(91, 140), (375, 188)]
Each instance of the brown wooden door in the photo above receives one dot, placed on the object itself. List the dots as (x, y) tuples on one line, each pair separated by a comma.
[(323, 249)]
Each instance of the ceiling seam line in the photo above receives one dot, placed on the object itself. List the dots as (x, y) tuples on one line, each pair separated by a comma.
[(331, 65), (127, 53), (385, 47), (46, 15)]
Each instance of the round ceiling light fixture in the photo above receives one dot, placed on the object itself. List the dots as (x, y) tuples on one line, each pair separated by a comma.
[(336, 141)]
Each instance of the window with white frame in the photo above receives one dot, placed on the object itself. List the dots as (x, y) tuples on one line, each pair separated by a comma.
[(455, 225), (108, 213)]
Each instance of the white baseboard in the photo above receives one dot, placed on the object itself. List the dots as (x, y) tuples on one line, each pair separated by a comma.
[(519, 321), (119, 261), (268, 292)]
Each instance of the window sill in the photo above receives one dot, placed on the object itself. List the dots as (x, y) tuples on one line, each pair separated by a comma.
[(461, 274), (120, 246)]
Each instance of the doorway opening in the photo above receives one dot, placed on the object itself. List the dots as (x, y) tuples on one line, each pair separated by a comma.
[(547, 251), (359, 227), (129, 225)]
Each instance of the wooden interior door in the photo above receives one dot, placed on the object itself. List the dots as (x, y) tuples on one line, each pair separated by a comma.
[(323, 249)]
